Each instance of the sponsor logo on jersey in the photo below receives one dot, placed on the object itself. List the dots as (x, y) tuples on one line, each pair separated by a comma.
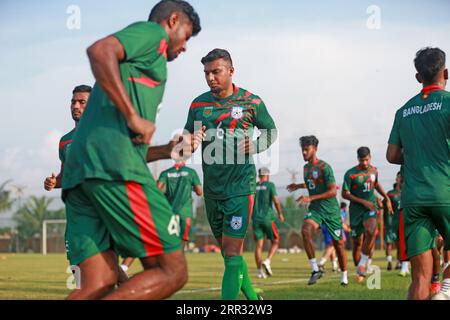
[(236, 113), (373, 177), (177, 174), (236, 223), (207, 112), (261, 187)]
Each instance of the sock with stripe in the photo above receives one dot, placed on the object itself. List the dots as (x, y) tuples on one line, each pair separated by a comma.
[(247, 288), (232, 277)]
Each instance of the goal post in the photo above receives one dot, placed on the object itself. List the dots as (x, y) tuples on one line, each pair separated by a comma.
[(44, 231)]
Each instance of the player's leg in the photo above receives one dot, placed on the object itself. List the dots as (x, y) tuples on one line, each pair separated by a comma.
[(185, 230), (328, 248), (259, 244), (126, 264), (334, 227), (421, 271), (310, 225), (334, 260), (370, 226), (435, 281), (272, 234), (357, 243), (142, 225), (441, 218)]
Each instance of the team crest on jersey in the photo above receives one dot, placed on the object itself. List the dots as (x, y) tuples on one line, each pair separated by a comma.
[(337, 233), (236, 223), (207, 112), (236, 113), (315, 174), (372, 177)]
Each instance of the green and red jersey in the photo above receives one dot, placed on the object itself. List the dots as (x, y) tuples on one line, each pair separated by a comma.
[(102, 146), (394, 196), (64, 145), (361, 183), (262, 209), (225, 173), (318, 176), (422, 129), (178, 181)]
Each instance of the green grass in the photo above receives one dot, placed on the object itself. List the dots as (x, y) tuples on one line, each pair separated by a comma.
[(34, 276)]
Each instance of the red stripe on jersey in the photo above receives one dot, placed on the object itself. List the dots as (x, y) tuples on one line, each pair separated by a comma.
[(203, 104), (163, 45), (426, 90), (251, 198), (63, 143), (222, 116), (186, 231), (235, 89), (144, 219), (145, 81), (401, 235), (274, 229)]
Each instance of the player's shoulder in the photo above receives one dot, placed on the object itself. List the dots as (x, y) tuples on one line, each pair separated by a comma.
[(248, 96), (373, 168), (68, 135), (352, 170), (155, 28), (323, 165), (204, 99)]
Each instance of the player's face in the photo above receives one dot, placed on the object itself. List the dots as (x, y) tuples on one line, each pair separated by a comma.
[(364, 162), (178, 38), (309, 152), (399, 180), (218, 75), (77, 104)]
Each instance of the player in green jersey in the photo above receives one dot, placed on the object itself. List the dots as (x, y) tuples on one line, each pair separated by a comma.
[(263, 221), (229, 115), (359, 187), (323, 207), (391, 222), (112, 201), (420, 141), (80, 96)]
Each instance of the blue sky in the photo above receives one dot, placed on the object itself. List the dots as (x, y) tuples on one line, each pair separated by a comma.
[(317, 65)]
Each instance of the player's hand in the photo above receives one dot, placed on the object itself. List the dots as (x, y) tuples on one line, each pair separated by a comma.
[(292, 187), (50, 182), (304, 200), (389, 207), (198, 138), (246, 146), (143, 128), (369, 205), (281, 217)]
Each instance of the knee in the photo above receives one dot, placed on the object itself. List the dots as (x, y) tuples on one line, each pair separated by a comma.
[(275, 242)]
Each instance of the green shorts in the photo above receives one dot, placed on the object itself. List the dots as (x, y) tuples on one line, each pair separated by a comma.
[(231, 216), (331, 220), (185, 228), (265, 228), (420, 228), (357, 219), (391, 236), (133, 219)]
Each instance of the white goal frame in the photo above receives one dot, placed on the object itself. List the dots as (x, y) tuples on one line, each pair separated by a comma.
[(44, 231)]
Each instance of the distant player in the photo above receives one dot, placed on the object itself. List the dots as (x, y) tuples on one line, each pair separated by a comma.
[(323, 207), (391, 222), (420, 141), (359, 187), (230, 115), (263, 221), (80, 97)]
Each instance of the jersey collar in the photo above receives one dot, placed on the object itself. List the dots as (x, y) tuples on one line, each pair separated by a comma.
[(179, 165), (426, 90)]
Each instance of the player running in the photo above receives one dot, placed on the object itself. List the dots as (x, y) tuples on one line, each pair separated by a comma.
[(80, 97), (323, 207), (112, 201), (391, 222), (359, 187), (420, 141), (230, 115), (263, 221)]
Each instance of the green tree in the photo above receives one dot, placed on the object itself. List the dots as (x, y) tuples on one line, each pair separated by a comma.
[(30, 216), (6, 200)]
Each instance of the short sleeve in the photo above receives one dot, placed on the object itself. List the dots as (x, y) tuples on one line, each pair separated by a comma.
[(394, 137), (163, 178), (328, 175), (195, 178), (273, 190), (142, 40), (263, 120), (61, 152), (347, 182)]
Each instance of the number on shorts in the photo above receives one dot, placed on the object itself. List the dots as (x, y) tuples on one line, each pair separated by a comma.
[(174, 225)]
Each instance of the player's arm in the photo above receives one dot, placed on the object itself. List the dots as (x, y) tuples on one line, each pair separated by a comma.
[(345, 226), (161, 186), (330, 193), (198, 190), (104, 57), (294, 186), (394, 154), (352, 198), (54, 181), (277, 203), (380, 190)]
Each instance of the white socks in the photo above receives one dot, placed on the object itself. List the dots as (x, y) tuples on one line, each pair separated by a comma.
[(405, 266), (363, 260), (335, 263), (344, 277), (124, 267), (446, 264), (389, 258), (322, 261), (445, 287), (313, 263)]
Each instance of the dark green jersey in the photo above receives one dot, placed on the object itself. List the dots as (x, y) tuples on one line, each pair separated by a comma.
[(318, 176), (262, 210), (422, 129), (394, 196), (361, 183), (64, 145), (227, 174), (178, 181), (102, 146)]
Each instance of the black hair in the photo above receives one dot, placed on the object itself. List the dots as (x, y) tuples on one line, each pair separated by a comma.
[(343, 205), (217, 54), (363, 152), (399, 173), (82, 88), (163, 9), (428, 62), (308, 141), (395, 185)]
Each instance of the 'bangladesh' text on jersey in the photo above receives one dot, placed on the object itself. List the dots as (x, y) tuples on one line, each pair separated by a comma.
[(262, 210), (102, 147), (227, 121), (318, 177), (422, 129)]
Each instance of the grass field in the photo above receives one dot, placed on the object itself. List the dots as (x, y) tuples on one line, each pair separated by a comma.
[(34, 276)]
